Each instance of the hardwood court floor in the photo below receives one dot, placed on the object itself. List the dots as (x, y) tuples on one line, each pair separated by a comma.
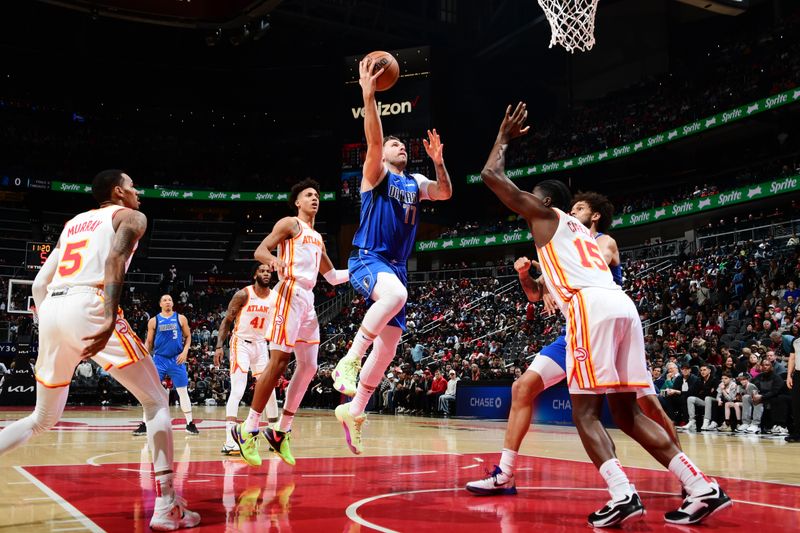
[(90, 474)]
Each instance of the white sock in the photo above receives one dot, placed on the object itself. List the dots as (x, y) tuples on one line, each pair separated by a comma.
[(361, 399), (253, 421), (694, 481), (286, 422), (507, 460), (165, 493), (361, 344), (229, 425), (618, 484)]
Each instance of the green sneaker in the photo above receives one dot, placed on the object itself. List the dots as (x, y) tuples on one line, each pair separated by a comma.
[(352, 427), (345, 375), (248, 444), (279, 443)]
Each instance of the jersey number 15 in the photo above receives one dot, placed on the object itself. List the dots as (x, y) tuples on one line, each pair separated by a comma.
[(590, 251)]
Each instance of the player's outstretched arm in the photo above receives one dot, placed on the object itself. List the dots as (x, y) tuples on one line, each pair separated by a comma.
[(331, 275), (494, 175), (442, 188), (373, 171), (283, 229), (131, 226), (234, 307), (45, 276)]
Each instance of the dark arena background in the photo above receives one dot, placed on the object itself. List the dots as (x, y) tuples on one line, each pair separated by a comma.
[(684, 114)]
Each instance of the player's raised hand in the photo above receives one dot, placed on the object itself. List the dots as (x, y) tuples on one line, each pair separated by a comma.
[(276, 265), (434, 147), (366, 77), (550, 307), (522, 265), (513, 124), (98, 341)]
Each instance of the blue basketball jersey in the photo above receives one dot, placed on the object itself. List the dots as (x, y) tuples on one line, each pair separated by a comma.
[(169, 336), (616, 271), (389, 217)]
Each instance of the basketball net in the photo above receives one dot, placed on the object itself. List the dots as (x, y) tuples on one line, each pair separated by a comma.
[(571, 23)]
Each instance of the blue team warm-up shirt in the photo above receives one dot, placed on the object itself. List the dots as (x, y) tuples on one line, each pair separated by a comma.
[(167, 346)]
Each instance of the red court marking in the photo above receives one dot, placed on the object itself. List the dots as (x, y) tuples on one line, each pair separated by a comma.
[(280, 497)]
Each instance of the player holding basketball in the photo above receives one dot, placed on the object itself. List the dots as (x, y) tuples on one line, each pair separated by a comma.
[(292, 326), (549, 366), (605, 345), (77, 294), (248, 312), (168, 339), (385, 237)]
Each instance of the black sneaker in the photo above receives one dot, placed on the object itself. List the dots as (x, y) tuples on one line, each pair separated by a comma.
[(615, 513), (191, 428), (141, 430), (696, 508), (792, 438)]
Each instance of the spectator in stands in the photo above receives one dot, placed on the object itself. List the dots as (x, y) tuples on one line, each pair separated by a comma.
[(774, 395), (675, 400), (705, 396), (449, 397), (752, 411), (84, 369), (437, 388), (726, 397)]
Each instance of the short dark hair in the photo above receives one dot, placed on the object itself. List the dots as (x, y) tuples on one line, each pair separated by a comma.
[(390, 138), (559, 193), (256, 267), (104, 182), (299, 187), (598, 204)]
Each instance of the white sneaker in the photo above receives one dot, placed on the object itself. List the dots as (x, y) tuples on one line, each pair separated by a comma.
[(689, 426), (753, 428), (712, 426), (173, 515), (725, 428), (705, 425), (742, 428), (496, 482), (779, 430)]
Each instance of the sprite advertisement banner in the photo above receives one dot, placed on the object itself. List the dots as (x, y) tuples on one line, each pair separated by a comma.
[(698, 126), (757, 191), (179, 194)]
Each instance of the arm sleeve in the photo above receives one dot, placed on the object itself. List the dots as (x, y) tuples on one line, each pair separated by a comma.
[(423, 184)]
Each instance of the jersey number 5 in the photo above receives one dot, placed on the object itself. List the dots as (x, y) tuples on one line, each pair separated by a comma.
[(72, 260), (589, 250)]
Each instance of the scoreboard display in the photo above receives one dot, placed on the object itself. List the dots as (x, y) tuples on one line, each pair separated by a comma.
[(36, 254)]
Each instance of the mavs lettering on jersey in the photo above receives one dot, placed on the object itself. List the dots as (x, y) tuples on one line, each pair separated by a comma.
[(389, 217), (169, 336)]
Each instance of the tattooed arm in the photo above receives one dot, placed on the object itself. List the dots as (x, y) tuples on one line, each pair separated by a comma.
[(234, 307), (130, 226)]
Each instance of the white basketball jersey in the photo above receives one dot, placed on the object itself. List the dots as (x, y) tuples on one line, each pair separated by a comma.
[(572, 260), (302, 256), (84, 246), (251, 323)]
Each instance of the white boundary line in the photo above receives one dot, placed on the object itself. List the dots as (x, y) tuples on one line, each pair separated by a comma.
[(352, 510), (68, 507), (90, 460)]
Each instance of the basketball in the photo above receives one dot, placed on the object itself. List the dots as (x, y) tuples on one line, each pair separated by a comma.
[(386, 61)]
